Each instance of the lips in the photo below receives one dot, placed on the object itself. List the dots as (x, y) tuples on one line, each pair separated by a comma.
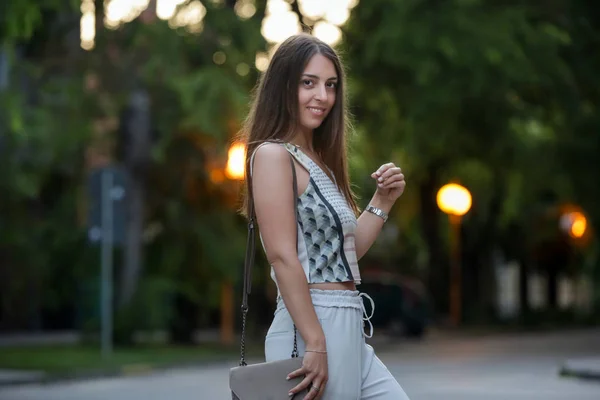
[(316, 111)]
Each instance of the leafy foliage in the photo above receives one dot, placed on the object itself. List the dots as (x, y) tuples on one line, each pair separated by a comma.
[(481, 93), (500, 96)]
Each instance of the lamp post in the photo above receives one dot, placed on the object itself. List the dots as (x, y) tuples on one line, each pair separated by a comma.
[(454, 200), (234, 170)]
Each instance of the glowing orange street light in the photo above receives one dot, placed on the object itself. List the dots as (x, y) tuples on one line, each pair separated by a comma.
[(455, 200), (578, 227), (236, 161), (574, 223)]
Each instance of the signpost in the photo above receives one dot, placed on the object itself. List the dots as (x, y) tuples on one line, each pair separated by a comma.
[(107, 189)]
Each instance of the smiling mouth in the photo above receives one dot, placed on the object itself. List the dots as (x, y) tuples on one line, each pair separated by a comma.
[(316, 110)]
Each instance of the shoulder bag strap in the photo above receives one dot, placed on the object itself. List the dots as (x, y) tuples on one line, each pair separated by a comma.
[(249, 259)]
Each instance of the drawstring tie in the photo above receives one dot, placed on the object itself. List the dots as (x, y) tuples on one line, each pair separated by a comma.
[(365, 317)]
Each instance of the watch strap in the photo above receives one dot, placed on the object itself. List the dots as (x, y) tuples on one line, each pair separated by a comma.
[(378, 211)]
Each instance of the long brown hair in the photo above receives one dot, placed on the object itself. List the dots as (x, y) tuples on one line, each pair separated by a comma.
[(274, 112)]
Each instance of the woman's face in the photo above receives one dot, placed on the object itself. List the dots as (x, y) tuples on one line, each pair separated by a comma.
[(317, 91)]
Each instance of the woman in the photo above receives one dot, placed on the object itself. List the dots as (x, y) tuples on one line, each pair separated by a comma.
[(299, 111)]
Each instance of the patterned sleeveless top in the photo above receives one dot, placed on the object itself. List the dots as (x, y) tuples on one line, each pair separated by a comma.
[(326, 226)]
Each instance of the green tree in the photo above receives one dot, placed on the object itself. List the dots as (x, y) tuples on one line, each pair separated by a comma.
[(469, 91), (191, 232)]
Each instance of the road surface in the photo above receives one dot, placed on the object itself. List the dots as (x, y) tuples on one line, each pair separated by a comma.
[(506, 367)]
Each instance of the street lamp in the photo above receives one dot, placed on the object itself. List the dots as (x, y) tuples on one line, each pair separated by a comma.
[(234, 170), (236, 162), (574, 223), (454, 200)]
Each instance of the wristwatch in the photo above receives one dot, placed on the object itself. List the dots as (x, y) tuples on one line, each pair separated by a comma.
[(377, 211)]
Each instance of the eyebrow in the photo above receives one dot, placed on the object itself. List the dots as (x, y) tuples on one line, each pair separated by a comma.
[(316, 77)]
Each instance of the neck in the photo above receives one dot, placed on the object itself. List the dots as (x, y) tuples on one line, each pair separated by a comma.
[(304, 139)]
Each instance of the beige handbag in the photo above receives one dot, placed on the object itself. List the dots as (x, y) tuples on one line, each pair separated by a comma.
[(263, 381)]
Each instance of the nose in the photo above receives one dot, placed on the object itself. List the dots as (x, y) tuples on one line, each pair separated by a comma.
[(321, 93)]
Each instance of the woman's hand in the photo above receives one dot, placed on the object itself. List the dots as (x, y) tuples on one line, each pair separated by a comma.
[(390, 183), (314, 368)]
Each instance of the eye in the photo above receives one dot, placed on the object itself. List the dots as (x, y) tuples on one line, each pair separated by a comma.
[(332, 84), (307, 82)]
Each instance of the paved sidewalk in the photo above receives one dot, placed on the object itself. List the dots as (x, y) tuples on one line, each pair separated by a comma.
[(585, 368)]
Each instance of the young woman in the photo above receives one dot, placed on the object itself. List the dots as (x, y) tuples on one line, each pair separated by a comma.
[(314, 248)]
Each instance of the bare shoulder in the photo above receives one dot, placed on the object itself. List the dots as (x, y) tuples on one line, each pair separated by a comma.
[(271, 168), (271, 155)]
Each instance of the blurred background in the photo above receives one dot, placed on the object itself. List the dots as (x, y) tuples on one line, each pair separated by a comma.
[(121, 248)]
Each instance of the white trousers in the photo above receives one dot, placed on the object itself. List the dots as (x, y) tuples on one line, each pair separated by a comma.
[(355, 372)]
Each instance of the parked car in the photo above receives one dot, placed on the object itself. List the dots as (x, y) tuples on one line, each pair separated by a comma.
[(402, 306)]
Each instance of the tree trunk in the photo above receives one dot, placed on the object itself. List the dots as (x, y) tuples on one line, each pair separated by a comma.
[(486, 238), (183, 324), (524, 263), (137, 155)]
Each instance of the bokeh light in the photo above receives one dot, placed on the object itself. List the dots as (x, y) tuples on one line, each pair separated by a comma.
[(236, 161), (87, 24), (313, 9), (454, 199), (245, 9), (189, 15), (262, 61), (219, 58), (117, 12), (574, 223), (280, 22), (337, 16), (242, 69), (325, 17), (165, 9), (327, 32)]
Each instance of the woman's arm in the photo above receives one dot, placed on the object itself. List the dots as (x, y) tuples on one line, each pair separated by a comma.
[(369, 226), (390, 186), (275, 213)]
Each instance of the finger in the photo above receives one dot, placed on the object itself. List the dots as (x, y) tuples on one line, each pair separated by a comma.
[(302, 385), (299, 372), (394, 185), (384, 168), (312, 392), (393, 178), (321, 386), (391, 172)]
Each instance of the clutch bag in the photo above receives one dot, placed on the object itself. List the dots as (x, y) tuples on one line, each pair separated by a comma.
[(265, 381)]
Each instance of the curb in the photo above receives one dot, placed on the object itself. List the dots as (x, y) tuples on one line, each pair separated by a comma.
[(584, 368)]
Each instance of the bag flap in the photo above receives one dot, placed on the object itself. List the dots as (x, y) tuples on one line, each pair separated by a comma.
[(265, 381)]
